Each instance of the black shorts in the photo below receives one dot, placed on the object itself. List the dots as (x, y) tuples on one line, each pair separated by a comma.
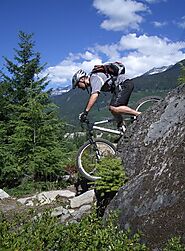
[(122, 93)]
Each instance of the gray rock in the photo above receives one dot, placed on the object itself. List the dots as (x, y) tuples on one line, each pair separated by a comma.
[(85, 198), (81, 204), (78, 214), (65, 218), (3, 194), (153, 155), (46, 197), (58, 211), (10, 204), (28, 201)]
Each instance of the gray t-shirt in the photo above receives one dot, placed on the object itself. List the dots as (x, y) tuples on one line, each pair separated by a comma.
[(97, 81)]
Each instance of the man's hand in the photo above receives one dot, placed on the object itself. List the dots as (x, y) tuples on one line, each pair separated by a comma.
[(83, 116)]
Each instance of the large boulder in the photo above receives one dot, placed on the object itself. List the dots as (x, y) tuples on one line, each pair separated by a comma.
[(153, 154)]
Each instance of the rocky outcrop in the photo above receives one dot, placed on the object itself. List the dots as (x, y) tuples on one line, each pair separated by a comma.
[(62, 204), (47, 197), (153, 154)]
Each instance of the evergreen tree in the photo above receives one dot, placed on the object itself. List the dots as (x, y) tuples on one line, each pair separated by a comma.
[(29, 126), (181, 79)]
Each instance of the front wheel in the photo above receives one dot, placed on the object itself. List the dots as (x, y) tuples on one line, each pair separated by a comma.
[(90, 154)]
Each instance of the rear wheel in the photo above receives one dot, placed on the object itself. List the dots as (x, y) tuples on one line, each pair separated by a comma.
[(89, 155), (146, 102)]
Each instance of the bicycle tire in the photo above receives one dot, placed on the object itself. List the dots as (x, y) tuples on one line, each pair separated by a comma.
[(146, 102), (88, 169)]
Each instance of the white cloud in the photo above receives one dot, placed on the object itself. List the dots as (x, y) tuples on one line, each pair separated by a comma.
[(120, 14), (62, 73), (138, 53), (181, 24), (111, 51), (146, 52), (159, 24), (155, 1)]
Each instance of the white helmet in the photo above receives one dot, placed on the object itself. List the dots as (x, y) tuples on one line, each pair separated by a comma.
[(77, 76)]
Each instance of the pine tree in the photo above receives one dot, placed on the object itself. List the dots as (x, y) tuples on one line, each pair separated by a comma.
[(181, 79), (29, 126)]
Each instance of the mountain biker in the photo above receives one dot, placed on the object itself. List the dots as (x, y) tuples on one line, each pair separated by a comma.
[(121, 90)]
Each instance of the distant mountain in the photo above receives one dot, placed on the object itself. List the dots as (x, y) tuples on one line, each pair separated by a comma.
[(73, 102), (60, 90), (165, 80), (157, 70)]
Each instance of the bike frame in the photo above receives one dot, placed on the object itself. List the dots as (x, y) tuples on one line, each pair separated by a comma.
[(105, 129), (93, 126)]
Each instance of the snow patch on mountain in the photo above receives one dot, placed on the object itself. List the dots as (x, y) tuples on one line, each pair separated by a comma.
[(156, 70), (60, 90)]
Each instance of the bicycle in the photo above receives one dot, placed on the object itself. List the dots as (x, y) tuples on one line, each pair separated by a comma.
[(92, 151)]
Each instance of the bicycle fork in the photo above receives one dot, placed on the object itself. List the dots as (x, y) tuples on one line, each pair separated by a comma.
[(95, 149)]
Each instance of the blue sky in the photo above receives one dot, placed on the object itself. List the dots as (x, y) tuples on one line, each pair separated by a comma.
[(74, 34)]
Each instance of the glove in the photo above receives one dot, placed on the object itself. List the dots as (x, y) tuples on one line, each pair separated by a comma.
[(83, 116)]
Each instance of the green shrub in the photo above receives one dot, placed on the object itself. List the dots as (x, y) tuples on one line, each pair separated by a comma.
[(26, 233), (174, 244), (112, 174), (45, 233)]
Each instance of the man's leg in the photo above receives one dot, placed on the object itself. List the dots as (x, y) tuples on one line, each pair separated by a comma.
[(118, 105), (120, 99), (123, 109)]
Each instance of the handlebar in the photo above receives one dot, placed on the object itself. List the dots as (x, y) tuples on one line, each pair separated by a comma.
[(88, 124)]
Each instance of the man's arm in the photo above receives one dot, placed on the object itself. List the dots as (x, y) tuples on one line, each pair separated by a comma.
[(92, 101)]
